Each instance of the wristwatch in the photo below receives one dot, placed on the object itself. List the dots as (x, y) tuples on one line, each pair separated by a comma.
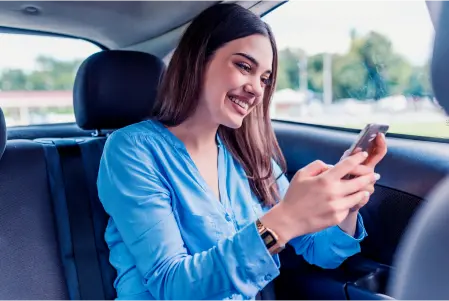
[(270, 238)]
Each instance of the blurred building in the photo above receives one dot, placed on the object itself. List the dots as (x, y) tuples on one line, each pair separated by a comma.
[(34, 107)]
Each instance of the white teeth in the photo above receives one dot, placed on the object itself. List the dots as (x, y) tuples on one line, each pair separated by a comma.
[(239, 102)]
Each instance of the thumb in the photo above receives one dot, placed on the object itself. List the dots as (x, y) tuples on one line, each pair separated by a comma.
[(345, 154), (315, 168)]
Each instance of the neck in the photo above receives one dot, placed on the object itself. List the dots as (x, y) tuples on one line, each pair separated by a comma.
[(196, 135)]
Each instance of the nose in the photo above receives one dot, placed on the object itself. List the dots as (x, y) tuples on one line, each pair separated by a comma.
[(254, 87)]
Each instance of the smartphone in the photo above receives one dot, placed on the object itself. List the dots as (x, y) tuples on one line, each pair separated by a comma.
[(365, 140)]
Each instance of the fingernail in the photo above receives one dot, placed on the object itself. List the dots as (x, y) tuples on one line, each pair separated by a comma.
[(366, 194), (330, 165), (365, 154), (376, 176)]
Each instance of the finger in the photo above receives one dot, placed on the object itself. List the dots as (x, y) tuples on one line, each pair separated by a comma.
[(362, 203), (345, 166), (377, 151), (370, 189), (357, 150), (347, 153), (352, 200), (357, 184), (361, 170), (313, 169)]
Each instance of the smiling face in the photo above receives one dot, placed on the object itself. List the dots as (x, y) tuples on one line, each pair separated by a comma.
[(235, 81)]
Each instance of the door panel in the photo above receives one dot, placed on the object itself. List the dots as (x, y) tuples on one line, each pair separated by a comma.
[(408, 173), (411, 166)]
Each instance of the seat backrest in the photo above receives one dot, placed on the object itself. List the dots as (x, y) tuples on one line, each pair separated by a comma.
[(112, 89), (422, 261), (30, 263)]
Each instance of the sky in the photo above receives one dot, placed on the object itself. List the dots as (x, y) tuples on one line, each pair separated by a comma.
[(315, 26)]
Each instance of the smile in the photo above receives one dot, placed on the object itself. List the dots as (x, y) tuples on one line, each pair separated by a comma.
[(242, 104)]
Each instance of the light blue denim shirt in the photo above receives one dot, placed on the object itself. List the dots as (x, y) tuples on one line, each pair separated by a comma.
[(171, 238)]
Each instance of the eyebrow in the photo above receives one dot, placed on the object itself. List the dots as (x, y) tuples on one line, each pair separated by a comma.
[(250, 58)]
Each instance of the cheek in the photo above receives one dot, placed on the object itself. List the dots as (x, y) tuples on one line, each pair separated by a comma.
[(219, 83), (234, 79)]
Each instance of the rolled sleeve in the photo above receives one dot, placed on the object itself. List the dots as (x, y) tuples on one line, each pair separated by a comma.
[(254, 267), (329, 247), (360, 232)]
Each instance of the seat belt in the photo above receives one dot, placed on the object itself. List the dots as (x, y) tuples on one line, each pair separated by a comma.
[(61, 214), (91, 154), (77, 199)]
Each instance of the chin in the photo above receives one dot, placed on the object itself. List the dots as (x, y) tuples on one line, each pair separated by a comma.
[(233, 122)]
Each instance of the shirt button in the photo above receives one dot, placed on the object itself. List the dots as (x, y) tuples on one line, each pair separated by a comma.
[(268, 277), (228, 217)]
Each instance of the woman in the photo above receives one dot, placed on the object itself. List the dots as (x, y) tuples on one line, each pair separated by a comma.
[(199, 206)]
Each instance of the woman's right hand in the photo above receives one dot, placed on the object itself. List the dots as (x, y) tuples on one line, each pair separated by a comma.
[(318, 197)]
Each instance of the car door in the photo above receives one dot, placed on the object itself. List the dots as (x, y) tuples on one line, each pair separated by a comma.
[(408, 172), (340, 67)]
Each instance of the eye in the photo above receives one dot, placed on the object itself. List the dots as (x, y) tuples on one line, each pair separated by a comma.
[(266, 81), (244, 66)]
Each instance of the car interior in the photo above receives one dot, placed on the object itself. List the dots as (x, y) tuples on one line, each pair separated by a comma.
[(421, 262), (51, 220)]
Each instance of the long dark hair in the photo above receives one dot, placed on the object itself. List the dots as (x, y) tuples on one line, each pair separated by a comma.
[(254, 144)]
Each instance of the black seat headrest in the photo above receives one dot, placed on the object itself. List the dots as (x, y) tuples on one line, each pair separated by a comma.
[(3, 133), (440, 58), (116, 88)]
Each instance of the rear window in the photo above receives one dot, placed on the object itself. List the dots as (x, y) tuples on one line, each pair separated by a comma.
[(37, 75)]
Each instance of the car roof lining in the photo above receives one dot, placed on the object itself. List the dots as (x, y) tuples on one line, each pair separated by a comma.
[(149, 26)]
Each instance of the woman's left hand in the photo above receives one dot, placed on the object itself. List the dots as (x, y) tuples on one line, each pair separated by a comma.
[(375, 154)]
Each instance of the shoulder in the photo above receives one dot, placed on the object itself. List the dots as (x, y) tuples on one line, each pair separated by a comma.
[(142, 138), (144, 130), (138, 148)]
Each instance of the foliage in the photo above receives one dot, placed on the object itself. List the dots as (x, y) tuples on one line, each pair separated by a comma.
[(371, 69), (50, 74)]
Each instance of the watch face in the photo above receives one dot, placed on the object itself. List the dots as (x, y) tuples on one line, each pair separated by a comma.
[(268, 239)]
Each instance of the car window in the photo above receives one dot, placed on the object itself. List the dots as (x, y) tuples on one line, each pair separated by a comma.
[(348, 63), (37, 75)]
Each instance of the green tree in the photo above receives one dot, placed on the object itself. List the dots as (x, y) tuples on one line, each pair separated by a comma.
[(13, 79), (315, 73), (288, 70), (288, 74), (371, 69), (418, 84), (50, 74), (375, 51), (349, 76)]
